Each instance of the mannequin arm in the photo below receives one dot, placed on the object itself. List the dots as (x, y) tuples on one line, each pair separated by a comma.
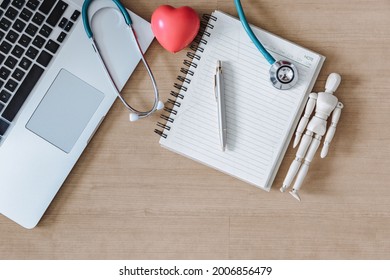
[(332, 129), (311, 103)]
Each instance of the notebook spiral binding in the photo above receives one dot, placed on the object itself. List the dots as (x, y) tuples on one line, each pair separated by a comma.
[(172, 105)]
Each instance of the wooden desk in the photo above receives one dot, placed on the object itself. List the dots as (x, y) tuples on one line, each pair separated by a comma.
[(127, 198)]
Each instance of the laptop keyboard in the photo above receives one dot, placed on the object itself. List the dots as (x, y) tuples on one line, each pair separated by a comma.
[(31, 33)]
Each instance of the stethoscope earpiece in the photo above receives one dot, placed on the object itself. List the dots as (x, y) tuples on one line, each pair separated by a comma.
[(135, 117), (160, 105)]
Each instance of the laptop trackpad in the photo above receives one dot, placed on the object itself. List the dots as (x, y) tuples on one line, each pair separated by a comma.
[(65, 111)]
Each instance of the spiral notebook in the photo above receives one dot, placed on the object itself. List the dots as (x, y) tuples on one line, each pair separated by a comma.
[(260, 118)]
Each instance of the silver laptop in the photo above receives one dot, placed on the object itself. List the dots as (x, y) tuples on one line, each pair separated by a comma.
[(54, 93)]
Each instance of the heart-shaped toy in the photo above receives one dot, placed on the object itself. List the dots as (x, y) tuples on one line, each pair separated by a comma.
[(175, 28)]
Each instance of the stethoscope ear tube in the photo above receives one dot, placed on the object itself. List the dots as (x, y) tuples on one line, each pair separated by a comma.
[(84, 12)]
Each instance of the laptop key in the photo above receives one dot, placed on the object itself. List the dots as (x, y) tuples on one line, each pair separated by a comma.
[(38, 18), (18, 74), (45, 31), (44, 58), (57, 13), (75, 15), (17, 51), (18, 3), (12, 36), (19, 25), (11, 13), (46, 6), (52, 46), (32, 52), (2, 57), (25, 63), (3, 127), (23, 92), (4, 73), (26, 14), (5, 4), (5, 24), (68, 26), (38, 41), (11, 62), (1, 108), (11, 85), (61, 37), (63, 23), (5, 47), (32, 4), (31, 29), (24, 40), (4, 96)]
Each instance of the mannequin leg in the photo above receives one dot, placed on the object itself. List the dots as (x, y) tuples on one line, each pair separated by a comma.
[(296, 164), (305, 166)]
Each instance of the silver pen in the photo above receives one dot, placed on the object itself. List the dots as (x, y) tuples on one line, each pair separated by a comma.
[(220, 98)]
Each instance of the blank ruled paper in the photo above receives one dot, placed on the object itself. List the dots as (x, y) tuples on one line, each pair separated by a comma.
[(260, 118)]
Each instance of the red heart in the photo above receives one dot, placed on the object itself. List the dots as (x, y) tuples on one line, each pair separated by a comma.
[(175, 28)]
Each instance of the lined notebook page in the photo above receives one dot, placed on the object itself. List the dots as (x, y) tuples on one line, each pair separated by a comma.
[(260, 118)]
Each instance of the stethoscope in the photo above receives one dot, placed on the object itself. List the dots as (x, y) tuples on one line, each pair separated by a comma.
[(283, 74), (135, 114)]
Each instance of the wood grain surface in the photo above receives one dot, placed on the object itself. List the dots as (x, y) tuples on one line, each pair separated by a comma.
[(128, 198)]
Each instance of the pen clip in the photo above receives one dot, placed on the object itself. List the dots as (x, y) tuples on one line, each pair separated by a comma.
[(215, 86), (218, 72)]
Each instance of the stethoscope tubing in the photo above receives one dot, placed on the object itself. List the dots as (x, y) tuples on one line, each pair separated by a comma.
[(250, 33), (117, 90), (128, 21)]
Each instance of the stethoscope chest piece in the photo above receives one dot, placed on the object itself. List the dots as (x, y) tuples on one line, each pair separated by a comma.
[(283, 74)]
